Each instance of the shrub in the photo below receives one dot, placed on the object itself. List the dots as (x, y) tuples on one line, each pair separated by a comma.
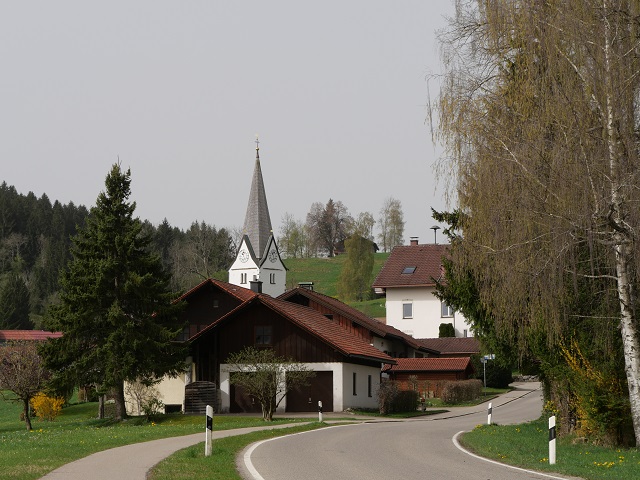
[(406, 401), (387, 393), (446, 330), (461, 391), (45, 407)]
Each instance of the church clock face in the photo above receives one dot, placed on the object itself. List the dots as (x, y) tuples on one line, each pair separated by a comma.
[(244, 256), (273, 256)]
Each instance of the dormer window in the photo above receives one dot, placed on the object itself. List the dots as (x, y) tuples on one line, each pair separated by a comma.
[(408, 270)]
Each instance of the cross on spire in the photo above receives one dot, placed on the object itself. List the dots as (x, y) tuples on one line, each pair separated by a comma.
[(257, 146)]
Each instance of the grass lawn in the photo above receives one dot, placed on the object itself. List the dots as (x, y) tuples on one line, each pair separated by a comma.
[(325, 272), (77, 433), (527, 446)]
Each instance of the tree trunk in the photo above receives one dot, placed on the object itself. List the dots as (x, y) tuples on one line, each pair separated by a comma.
[(121, 407), (101, 407), (27, 418), (623, 243), (629, 334)]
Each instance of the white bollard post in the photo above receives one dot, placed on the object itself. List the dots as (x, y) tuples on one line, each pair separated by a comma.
[(207, 440), (489, 412), (320, 410), (552, 440)]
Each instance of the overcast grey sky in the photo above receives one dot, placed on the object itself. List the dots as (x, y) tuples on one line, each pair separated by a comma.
[(178, 90)]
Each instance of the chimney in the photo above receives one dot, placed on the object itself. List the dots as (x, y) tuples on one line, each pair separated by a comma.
[(414, 241), (307, 285), (256, 286)]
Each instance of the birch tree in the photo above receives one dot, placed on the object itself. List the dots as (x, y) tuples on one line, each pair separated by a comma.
[(538, 112)]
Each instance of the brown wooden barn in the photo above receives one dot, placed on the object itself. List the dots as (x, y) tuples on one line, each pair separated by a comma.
[(224, 318), (428, 375)]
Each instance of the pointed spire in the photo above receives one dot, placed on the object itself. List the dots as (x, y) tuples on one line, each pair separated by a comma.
[(257, 222)]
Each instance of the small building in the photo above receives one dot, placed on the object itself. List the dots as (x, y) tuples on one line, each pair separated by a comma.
[(428, 375)]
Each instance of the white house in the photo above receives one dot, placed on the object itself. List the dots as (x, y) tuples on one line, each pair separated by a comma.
[(408, 279)]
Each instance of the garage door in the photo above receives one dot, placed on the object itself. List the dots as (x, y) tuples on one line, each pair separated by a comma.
[(305, 399)]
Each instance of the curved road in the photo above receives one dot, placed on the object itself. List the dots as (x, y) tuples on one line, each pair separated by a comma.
[(384, 450)]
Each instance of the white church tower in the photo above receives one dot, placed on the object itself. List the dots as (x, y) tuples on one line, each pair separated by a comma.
[(258, 257)]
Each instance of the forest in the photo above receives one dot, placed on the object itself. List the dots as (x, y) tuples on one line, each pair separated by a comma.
[(35, 246)]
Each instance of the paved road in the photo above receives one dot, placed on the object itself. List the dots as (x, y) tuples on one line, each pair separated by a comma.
[(384, 450)]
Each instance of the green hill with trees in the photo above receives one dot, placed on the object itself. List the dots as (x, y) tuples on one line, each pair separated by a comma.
[(325, 275)]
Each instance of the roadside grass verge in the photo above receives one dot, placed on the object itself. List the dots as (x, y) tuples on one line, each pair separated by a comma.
[(527, 446), (76, 433), (191, 463)]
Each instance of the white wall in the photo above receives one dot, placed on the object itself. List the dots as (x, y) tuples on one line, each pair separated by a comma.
[(170, 391), (343, 397), (361, 399), (426, 313)]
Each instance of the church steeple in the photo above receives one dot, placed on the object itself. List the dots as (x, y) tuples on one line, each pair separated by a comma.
[(257, 222)]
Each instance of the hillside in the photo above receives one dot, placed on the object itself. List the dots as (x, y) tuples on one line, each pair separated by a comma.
[(324, 273)]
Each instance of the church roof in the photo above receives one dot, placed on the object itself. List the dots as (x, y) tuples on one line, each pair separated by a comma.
[(257, 222)]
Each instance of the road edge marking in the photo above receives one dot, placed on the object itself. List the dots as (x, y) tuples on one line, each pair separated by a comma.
[(247, 454), (454, 439)]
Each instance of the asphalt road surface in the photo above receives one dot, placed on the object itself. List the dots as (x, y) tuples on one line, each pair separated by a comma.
[(386, 450)]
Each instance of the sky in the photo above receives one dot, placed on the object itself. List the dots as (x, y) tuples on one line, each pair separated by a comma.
[(177, 91)]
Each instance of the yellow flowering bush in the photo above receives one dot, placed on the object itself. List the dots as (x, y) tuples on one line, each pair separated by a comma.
[(45, 407)]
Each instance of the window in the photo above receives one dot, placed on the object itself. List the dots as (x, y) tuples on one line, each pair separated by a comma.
[(263, 335), (447, 311), (216, 303), (408, 270), (407, 310), (272, 278), (369, 389), (465, 333), (243, 278), (355, 389)]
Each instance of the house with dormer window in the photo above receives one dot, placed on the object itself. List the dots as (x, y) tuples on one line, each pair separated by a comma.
[(408, 281)]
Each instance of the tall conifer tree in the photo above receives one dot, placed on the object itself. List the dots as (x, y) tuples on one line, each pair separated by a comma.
[(116, 314)]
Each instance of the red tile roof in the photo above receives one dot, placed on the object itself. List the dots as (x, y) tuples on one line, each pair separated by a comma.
[(355, 315), (427, 260), (14, 335), (313, 322), (451, 345), (453, 364), (241, 293)]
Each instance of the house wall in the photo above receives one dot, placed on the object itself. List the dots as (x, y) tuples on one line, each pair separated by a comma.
[(429, 384), (170, 391), (362, 397), (426, 313), (343, 397), (206, 306)]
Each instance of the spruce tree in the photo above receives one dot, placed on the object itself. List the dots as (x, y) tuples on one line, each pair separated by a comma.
[(115, 311)]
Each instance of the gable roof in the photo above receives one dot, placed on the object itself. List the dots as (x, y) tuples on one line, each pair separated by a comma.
[(311, 321), (427, 260), (453, 364), (242, 294), (257, 222), (451, 345), (32, 335), (353, 314)]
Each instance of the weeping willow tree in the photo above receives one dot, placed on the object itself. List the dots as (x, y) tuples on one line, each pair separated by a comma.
[(539, 115)]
